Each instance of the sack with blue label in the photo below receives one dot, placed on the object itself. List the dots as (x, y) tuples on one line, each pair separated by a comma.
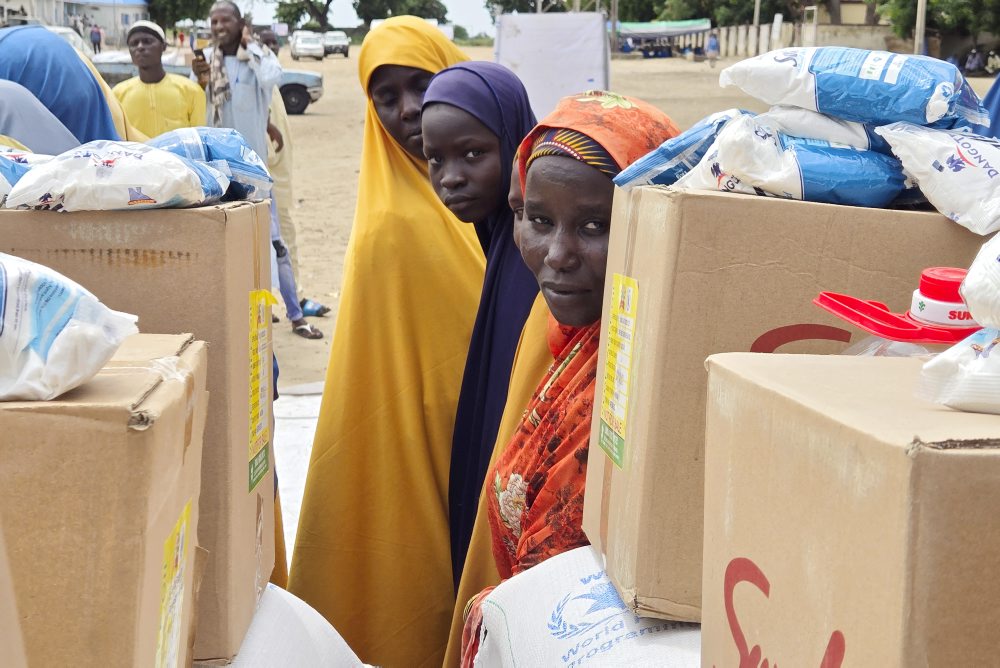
[(226, 150), (677, 156), (749, 157), (54, 335), (875, 87), (958, 172), (10, 173), (798, 122), (117, 175)]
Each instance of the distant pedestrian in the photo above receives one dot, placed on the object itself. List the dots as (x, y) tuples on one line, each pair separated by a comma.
[(95, 37), (974, 62), (712, 48), (180, 40)]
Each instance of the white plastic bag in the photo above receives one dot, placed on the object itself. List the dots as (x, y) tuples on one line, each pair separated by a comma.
[(967, 375), (566, 612), (958, 172), (814, 125), (109, 175), (875, 87), (54, 335)]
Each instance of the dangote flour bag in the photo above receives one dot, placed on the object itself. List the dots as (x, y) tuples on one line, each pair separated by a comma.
[(224, 149), (677, 156), (958, 172), (10, 173), (54, 335), (967, 375), (566, 612), (874, 87), (750, 157), (109, 175), (799, 122)]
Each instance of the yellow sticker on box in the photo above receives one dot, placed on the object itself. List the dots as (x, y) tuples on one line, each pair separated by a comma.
[(175, 549), (260, 383), (620, 355)]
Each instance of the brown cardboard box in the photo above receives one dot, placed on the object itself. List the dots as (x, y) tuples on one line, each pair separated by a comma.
[(712, 273), (11, 640), (203, 271), (99, 497), (846, 521)]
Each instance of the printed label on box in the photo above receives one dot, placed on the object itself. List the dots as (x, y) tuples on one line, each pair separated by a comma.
[(618, 366), (260, 383), (168, 643)]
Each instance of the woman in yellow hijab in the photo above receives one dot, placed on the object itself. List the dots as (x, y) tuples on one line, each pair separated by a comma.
[(373, 548)]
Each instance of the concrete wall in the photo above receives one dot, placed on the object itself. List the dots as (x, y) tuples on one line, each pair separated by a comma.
[(742, 41)]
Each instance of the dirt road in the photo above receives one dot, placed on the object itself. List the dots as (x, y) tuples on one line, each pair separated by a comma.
[(327, 145)]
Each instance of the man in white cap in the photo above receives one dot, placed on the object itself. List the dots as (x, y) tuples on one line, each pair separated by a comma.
[(156, 102)]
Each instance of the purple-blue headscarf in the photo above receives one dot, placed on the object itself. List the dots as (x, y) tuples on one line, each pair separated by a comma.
[(497, 98)]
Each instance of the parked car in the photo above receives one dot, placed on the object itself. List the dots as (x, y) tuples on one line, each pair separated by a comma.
[(336, 41), (310, 46), (299, 88), (71, 36)]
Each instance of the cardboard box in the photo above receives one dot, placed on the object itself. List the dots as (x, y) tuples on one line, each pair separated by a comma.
[(99, 496), (691, 274), (205, 271), (846, 521), (11, 640)]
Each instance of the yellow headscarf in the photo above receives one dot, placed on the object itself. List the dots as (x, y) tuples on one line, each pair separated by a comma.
[(373, 549)]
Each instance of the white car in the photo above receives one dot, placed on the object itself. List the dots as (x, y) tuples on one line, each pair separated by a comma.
[(74, 40), (310, 46)]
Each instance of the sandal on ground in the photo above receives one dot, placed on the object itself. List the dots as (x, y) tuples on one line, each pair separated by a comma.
[(275, 318), (313, 309), (307, 331)]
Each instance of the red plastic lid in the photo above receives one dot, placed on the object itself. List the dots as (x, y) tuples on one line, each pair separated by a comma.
[(942, 284), (875, 318)]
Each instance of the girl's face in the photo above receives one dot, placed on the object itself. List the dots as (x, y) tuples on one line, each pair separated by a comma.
[(464, 160), (398, 94), (564, 236)]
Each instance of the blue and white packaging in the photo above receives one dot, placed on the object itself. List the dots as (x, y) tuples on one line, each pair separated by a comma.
[(54, 335), (566, 612), (875, 87), (117, 175), (750, 157), (226, 150), (958, 172), (677, 156), (10, 173), (798, 122)]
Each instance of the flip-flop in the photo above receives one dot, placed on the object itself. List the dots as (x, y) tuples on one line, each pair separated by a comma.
[(307, 331), (313, 309), (275, 318)]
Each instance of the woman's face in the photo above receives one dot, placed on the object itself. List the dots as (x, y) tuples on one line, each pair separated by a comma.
[(398, 94), (464, 160), (564, 236), (515, 199)]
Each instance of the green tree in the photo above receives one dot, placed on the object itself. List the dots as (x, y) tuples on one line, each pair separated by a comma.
[(168, 12), (729, 12), (637, 10), (497, 7), (461, 32), (292, 11), (425, 9), (966, 17)]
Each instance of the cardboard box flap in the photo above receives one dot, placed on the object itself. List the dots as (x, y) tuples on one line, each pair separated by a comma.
[(823, 384)]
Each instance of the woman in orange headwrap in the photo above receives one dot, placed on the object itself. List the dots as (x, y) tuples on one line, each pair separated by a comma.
[(373, 553), (566, 166)]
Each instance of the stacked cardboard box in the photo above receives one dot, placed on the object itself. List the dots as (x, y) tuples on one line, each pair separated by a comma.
[(11, 640), (205, 271), (692, 274), (846, 521), (99, 496)]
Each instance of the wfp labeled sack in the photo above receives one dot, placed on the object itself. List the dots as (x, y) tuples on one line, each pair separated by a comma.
[(677, 156), (226, 150), (967, 375), (752, 158), (958, 172), (110, 175), (54, 335), (566, 612), (874, 87)]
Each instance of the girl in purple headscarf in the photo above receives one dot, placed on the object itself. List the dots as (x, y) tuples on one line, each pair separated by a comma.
[(474, 116)]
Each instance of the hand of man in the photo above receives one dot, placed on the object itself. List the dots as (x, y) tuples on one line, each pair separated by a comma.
[(201, 69), (247, 36), (275, 134)]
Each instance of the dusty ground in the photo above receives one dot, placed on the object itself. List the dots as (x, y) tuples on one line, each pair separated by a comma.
[(327, 145)]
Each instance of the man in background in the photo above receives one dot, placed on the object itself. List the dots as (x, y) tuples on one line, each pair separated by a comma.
[(156, 102)]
